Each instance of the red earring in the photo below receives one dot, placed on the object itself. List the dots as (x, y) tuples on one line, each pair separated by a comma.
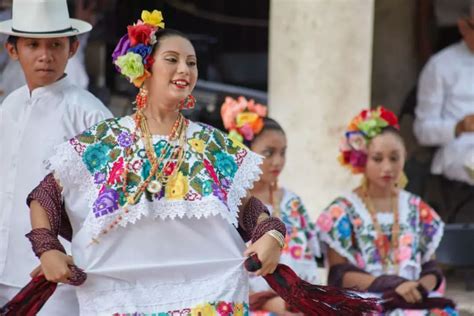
[(141, 99), (187, 103)]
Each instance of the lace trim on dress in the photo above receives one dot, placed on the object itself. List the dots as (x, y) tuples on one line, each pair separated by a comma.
[(163, 296)]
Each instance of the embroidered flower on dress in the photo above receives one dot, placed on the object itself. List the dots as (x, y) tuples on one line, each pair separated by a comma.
[(116, 172), (344, 227), (225, 164), (224, 309), (325, 222), (106, 203), (197, 145), (177, 187), (96, 157), (201, 310), (124, 139), (99, 178)]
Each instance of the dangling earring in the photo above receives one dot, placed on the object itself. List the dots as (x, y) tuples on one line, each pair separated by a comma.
[(364, 183), (141, 99), (402, 181), (187, 103)]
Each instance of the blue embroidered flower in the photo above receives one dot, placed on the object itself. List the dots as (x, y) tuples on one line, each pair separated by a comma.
[(225, 164), (99, 178), (106, 203), (207, 188), (344, 227), (125, 139), (96, 157)]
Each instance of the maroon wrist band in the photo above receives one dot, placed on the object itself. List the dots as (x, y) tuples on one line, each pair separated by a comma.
[(42, 240), (268, 224)]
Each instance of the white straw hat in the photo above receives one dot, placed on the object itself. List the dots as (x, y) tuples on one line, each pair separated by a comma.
[(42, 19)]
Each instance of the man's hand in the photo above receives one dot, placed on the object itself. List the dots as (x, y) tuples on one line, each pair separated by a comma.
[(465, 125)]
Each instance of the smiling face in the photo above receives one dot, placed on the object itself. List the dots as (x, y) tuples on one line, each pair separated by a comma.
[(271, 144), (385, 160), (174, 72), (43, 60)]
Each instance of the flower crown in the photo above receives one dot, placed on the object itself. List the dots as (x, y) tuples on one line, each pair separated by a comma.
[(242, 118), (132, 55), (362, 128)]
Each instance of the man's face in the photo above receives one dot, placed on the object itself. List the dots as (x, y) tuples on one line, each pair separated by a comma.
[(43, 60), (466, 27)]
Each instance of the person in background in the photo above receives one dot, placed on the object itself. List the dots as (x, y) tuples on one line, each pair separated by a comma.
[(247, 121), (445, 119), (380, 238), (41, 114), (11, 74)]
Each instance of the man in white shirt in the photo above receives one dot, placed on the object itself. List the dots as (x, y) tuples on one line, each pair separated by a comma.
[(11, 75), (45, 112), (445, 109)]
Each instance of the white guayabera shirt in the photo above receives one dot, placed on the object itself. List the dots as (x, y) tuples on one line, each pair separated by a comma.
[(446, 96), (30, 126)]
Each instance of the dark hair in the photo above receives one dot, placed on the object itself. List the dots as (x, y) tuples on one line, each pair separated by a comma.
[(13, 39), (394, 131), (164, 33), (269, 124)]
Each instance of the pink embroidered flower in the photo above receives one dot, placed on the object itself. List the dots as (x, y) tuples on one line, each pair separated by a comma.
[(413, 312), (296, 252), (406, 239), (224, 309), (136, 165), (116, 172), (336, 211), (404, 253), (325, 222), (360, 261), (357, 222)]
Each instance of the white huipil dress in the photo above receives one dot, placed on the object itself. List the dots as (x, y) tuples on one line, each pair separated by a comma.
[(176, 252)]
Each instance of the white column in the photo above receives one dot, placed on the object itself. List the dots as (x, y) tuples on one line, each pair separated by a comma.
[(319, 78)]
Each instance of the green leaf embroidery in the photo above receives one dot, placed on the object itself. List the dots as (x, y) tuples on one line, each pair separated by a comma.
[(86, 139), (114, 154), (109, 141), (101, 130), (133, 178)]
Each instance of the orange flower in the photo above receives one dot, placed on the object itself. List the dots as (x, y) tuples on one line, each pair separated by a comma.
[(139, 81)]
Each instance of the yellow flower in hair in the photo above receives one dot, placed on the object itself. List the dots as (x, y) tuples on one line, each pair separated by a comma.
[(246, 118), (177, 187), (154, 18)]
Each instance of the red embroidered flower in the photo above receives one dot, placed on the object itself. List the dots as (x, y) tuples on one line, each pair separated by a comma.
[(140, 34), (224, 309), (116, 172), (389, 116), (426, 215), (169, 168)]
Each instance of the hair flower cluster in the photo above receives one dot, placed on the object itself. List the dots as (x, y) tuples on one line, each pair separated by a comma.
[(132, 55), (242, 118), (365, 126)]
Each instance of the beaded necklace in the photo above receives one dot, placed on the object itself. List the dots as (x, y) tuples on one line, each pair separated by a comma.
[(381, 238), (178, 132)]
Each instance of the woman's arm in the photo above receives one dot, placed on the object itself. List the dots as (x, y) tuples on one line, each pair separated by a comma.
[(357, 280)]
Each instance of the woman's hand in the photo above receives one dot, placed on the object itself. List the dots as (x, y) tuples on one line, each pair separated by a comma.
[(55, 266), (409, 292), (268, 252)]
